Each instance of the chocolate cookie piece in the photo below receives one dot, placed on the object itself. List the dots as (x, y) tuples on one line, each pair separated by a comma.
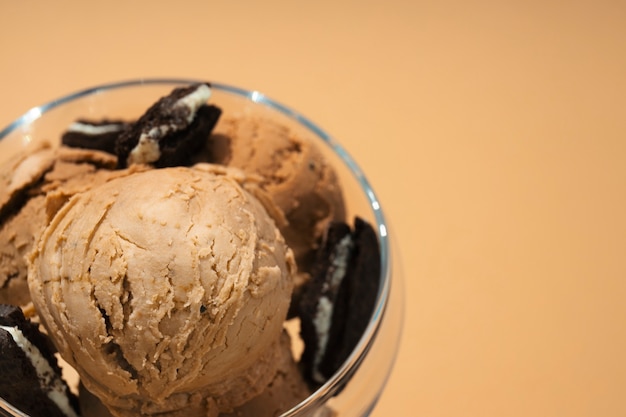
[(338, 302), (31, 378), (99, 135), (171, 131)]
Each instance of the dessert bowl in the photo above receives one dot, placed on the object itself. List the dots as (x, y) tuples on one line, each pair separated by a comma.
[(355, 387)]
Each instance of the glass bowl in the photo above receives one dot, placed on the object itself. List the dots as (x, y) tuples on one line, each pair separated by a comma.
[(354, 389)]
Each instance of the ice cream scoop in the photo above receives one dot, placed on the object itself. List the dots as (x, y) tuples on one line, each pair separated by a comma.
[(32, 187), (294, 172), (166, 290), (286, 389)]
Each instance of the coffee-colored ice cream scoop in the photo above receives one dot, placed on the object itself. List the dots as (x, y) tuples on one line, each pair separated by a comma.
[(166, 290), (293, 171)]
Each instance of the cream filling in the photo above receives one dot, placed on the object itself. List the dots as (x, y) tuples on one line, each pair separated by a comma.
[(324, 312), (48, 379), (194, 100), (147, 149), (88, 129)]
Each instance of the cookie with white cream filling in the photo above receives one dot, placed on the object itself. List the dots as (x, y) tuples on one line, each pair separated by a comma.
[(338, 301), (171, 131), (101, 135), (31, 378)]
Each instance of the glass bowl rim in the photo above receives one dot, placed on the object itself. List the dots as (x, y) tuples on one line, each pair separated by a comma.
[(334, 384)]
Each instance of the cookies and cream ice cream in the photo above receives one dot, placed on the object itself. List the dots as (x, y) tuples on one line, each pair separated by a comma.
[(166, 290)]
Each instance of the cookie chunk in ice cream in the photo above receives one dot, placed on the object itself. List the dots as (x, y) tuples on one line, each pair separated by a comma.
[(166, 290)]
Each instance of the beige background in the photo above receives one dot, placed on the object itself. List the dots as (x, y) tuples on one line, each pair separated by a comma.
[(494, 133)]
